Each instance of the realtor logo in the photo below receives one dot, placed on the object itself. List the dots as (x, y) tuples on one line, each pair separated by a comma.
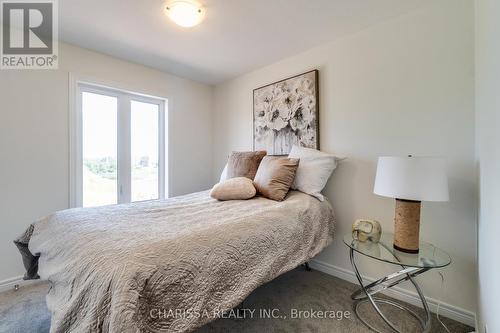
[(29, 34)]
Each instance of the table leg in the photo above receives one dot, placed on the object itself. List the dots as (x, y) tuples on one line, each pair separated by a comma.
[(366, 294)]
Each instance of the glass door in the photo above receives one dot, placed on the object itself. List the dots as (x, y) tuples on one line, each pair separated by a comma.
[(145, 161), (99, 147), (122, 141)]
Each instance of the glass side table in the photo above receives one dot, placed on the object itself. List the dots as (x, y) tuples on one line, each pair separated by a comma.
[(429, 257)]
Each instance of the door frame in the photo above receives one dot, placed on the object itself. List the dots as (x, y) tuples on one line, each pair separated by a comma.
[(79, 84)]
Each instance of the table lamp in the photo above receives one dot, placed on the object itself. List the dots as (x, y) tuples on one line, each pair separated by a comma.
[(410, 180)]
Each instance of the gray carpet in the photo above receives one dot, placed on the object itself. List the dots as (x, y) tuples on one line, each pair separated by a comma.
[(24, 311)]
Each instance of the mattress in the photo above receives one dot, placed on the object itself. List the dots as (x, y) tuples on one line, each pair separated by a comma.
[(169, 265)]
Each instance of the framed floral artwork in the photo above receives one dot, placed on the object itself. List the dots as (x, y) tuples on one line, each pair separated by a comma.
[(286, 113)]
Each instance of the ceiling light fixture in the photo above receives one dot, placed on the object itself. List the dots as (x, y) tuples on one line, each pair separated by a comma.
[(184, 12)]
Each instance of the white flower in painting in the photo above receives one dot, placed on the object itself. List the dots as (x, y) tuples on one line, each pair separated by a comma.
[(303, 86), (285, 90), (275, 120), (285, 107), (273, 108), (264, 106), (260, 118), (264, 96), (272, 95), (308, 139), (303, 115)]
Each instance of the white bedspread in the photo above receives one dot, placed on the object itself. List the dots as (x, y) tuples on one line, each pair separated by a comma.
[(121, 268)]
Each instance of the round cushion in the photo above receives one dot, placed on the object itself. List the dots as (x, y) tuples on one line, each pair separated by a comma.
[(238, 188)]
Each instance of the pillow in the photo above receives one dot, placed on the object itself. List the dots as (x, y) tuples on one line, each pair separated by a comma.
[(244, 164), (275, 175), (314, 170), (239, 188), (223, 175)]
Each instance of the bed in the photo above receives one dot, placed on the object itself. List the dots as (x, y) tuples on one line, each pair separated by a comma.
[(168, 265)]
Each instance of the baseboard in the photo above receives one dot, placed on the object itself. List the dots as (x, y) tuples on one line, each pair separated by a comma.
[(446, 310), (10, 284)]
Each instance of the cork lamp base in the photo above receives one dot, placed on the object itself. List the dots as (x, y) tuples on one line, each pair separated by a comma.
[(407, 226)]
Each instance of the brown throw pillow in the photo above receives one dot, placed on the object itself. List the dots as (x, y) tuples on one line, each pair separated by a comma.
[(275, 176), (244, 163), (239, 188)]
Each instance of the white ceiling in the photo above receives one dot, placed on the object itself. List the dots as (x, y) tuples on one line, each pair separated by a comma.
[(236, 36)]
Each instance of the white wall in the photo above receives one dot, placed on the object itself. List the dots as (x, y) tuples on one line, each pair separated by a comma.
[(488, 153), (34, 142), (405, 86)]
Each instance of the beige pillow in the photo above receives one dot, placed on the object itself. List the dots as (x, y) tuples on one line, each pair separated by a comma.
[(244, 163), (275, 176), (239, 188)]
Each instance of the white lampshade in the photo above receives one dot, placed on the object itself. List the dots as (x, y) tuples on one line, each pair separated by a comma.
[(412, 178)]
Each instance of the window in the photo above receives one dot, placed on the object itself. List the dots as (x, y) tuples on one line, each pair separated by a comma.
[(144, 151), (100, 149), (120, 148)]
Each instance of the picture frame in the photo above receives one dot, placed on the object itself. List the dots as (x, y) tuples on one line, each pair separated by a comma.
[(286, 113)]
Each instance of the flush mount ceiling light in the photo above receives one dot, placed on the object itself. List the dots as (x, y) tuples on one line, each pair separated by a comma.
[(184, 12)]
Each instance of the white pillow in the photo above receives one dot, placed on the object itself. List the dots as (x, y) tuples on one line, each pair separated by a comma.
[(315, 167), (223, 175)]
